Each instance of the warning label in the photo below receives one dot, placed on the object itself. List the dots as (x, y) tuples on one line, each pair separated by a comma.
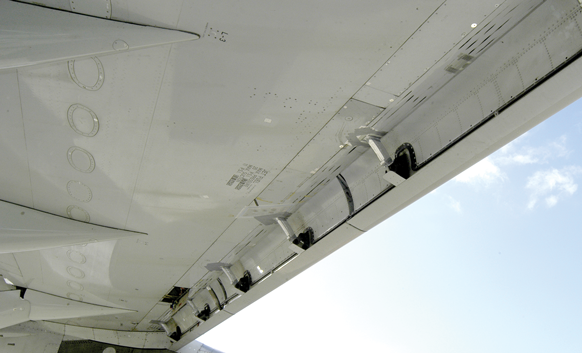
[(247, 177)]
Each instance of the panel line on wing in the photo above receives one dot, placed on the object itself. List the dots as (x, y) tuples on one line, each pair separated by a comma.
[(24, 135)]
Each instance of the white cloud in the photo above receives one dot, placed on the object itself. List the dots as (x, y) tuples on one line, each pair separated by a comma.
[(488, 170), (454, 204), (552, 185), (484, 172), (551, 201), (510, 154), (524, 159)]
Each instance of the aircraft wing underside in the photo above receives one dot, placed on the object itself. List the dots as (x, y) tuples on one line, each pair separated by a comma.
[(166, 164)]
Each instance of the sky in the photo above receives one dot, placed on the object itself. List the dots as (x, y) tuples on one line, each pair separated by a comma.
[(489, 262)]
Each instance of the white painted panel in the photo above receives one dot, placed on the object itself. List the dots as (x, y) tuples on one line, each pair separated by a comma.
[(148, 12), (565, 38), (448, 25), (534, 63), (325, 145), (13, 310), (13, 154), (129, 90), (30, 266), (97, 8), (222, 250), (185, 317), (156, 311), (73, 333), (82, 273), (329, 206), (131, 339), (56, 4), (355, 180), (25, 229), (449, 127), (157, 340), (273, 251), (487, 33), (430, 143), (469, 112), (106, 336), (375, 96), (208, 122), (490, 98), (560, 91), (49, 307), (9, 266), (41, 35), (29, 337), (509, 82)]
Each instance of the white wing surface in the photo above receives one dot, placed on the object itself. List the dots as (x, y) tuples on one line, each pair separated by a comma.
[(154, 184)]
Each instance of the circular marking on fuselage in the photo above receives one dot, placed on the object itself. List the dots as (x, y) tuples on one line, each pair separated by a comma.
[(74, 296), (76, 256), (81, 159), (120, 45), (87, 73), (77, 213), (75, 272), (75, 285), (83, 120), (109, 350), (79, 191)]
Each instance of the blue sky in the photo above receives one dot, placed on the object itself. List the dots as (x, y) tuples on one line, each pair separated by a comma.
[(490, 261)]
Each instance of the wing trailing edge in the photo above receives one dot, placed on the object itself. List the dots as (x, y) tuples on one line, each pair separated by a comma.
[(33, 35), (22, 305), (25, 229)]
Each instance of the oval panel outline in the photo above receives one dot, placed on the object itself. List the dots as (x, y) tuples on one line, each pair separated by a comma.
[(76, 257), (75, 285), (70, 115), (86, 153), (75, 272), (89, 194), (100, 74), (74, 296), (70, 213)]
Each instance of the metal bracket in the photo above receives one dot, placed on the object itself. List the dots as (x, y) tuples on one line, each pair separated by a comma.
[(224, 267), (164, 326), (299, 243), (203, 314), (241, 285), (214, 297), (190, 302), (286, 228), (289, 233), (379, 149), (175, 335), (393, 178)]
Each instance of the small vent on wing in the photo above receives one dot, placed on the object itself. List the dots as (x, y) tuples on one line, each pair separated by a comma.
[(462, 61)]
